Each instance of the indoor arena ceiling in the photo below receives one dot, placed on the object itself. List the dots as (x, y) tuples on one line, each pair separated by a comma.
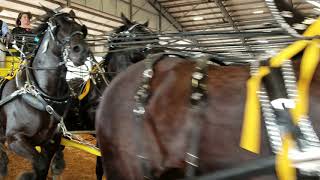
[(239, 16), (97, 22), (234, 16)]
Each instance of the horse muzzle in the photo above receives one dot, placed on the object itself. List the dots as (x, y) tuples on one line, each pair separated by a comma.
[(78, 53)]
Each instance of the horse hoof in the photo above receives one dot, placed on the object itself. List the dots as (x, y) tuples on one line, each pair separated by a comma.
[(4, 165), (57, 167), (27, 176)]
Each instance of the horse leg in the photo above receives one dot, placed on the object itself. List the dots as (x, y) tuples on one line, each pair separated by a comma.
[(18, 144), (99, 168), (48, 150), (4, 160), (58, 163)]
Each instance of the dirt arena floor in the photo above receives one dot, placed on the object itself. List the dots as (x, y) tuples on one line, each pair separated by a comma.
[(79, 164)]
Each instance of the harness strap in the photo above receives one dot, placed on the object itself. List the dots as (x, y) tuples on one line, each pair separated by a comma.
[(198, 102), (12, 96), (305, 137), (141, 99), (85, 90), (277, 92)]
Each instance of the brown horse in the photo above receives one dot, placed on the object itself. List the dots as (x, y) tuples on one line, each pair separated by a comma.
[(168, 118)]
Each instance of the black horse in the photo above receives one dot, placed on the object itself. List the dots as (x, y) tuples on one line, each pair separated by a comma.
[(32, 117), (116, 61)]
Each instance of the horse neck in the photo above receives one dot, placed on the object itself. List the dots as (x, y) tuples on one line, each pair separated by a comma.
[(49, 56)]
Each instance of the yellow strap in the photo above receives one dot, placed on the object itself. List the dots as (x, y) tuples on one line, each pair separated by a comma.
[(284, 166), (313, 29), (85, 91), (288, 53), (308, 66), (74, 144), (38, 148), (250, 137)]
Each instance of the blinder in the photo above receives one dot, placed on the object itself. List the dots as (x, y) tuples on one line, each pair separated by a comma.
[(65, 42), (53, 30)]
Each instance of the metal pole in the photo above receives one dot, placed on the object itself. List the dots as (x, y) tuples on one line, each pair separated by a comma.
[(130, 10), (160, 20), (264, 166), (231, 22)]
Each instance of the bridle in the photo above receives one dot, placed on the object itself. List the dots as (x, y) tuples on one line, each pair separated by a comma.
[(65, 43), (129, 34), (65, 48)]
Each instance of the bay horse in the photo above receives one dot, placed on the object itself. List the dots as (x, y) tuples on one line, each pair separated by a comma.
[(155, 146), (33, 117)]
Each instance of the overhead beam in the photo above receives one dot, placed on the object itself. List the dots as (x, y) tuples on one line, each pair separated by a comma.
[(89, 10), (232, 23), (131, 10), (244, 17), (185, 4), (156, 5), (257, 4)]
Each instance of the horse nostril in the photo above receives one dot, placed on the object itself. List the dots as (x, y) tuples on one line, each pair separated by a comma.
[(76, 49)]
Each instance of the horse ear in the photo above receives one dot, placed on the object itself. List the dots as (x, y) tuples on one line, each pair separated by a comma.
[(146, 24), (72, 13), (125, 20), (84, 30), (49, 12)]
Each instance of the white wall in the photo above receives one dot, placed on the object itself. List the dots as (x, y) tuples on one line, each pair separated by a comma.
[(142, 11)]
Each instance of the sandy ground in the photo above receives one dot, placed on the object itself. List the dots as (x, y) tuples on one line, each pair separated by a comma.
[(79, 164)]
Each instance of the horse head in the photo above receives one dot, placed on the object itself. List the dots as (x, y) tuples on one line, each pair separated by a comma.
[(34, 117), (129, 34), (68, 34)]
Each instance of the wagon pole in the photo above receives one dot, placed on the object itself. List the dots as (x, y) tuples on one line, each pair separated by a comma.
[(82, 132), (251, 168)]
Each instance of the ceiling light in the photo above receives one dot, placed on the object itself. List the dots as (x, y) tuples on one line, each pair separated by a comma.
[(258, 12), (197, 18), (314, 3)]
